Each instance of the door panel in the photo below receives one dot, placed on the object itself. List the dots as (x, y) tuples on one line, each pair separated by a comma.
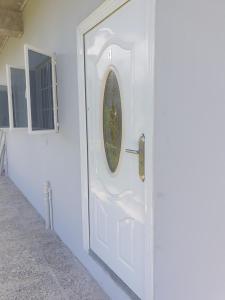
[(116, 56)]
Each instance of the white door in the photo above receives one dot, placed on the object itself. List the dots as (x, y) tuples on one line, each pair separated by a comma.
[(116, 69)]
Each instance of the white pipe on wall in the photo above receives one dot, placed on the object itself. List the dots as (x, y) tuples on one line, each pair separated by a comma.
[(47, 207), (50, 206), (2, 152)]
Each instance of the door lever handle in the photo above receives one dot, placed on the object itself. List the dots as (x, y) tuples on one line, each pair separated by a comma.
[(132, 151), (141, 156)]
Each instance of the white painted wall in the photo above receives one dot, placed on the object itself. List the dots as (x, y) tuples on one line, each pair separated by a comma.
[(190, 150), (51, 25)]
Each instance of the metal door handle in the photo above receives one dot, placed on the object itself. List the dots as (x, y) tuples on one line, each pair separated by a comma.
[(141, 156), (132, 151)]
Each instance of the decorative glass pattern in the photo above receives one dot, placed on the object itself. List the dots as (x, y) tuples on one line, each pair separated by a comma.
[(112, 121)]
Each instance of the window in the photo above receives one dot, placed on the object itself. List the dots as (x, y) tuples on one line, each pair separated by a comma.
[(4, 107), (112, 121), (41, 91), (17, 99)]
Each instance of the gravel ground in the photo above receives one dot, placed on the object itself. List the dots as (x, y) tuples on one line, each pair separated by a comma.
[(34, 263)]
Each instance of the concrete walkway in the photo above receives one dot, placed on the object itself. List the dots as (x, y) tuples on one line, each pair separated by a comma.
[(34, 263)]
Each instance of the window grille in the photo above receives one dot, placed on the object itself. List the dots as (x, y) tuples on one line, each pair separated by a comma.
[(17, 99), (41, 91), (4, 107)]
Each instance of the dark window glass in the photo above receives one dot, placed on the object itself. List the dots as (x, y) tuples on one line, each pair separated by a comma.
[(42, 109), (112, 121), (18, 97), (4, 108)]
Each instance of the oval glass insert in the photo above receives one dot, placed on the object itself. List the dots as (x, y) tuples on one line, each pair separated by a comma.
[(112, 121)]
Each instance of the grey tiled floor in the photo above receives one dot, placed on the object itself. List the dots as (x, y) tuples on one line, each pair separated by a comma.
[(34, 263)]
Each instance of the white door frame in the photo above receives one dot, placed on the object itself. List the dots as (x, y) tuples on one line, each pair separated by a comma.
[(101, 13)]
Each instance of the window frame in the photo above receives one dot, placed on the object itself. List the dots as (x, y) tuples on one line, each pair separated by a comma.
[(6, 128), (54, 91), (10, 98)]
